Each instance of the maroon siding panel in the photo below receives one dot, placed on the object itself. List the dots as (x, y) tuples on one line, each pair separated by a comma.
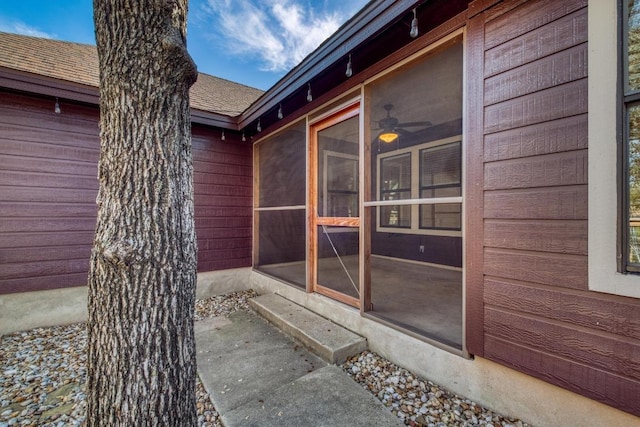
[(554, 70), (549, 170), (604, 352), (554, 103), (565, 134), (48, 188), (44, 282), (591, 311), (223, 197), (561, 270), (568, 202), (614, 390), (539, 43), (553, 236), (525, 19), (539, 315)]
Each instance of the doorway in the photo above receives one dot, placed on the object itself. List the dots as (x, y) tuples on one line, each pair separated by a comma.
[(334, 206)]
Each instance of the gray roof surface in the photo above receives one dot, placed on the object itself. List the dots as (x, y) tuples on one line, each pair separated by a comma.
[(78, 63)]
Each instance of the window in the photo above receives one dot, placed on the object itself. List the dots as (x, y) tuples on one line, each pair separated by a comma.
[(631, 151), (606, 245), (426, 178), (395, 184), (439, 178)]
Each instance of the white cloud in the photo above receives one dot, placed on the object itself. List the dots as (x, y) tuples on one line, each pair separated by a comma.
[(17, 27), (276, 33)]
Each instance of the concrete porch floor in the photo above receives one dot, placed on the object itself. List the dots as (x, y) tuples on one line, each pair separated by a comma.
[(422, 298)]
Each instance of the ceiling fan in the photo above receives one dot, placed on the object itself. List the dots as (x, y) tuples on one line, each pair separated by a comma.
[(392, 128)]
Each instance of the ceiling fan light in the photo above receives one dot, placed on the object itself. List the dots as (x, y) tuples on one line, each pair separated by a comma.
[(388, 136)]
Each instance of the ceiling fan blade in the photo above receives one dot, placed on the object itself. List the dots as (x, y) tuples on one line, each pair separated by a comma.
[(414, 124)]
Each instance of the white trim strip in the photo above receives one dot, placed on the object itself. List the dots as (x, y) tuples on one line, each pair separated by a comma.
[(431, 201), (282, 208)]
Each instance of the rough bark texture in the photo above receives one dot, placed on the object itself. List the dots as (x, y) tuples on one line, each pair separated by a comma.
[(141, 366)]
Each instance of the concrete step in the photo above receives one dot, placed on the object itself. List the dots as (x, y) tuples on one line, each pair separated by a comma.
[(329, 341)]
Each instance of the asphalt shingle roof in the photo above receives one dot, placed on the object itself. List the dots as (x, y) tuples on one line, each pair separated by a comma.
[(78, 63)]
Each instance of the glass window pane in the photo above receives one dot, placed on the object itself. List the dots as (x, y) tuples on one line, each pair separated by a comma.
[(395, 184), (633, 43), (282, 168), (395, 173), (634, 183), (442, 216), (281, 244), (428, 193), (395, 216), (440, 165)]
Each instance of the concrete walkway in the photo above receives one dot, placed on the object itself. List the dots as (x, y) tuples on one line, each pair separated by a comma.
[(258, 376)]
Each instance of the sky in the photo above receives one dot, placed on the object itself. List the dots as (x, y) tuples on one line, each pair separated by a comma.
[(253, 42)]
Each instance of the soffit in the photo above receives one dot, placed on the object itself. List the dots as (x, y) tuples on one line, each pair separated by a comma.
[(377, 31)]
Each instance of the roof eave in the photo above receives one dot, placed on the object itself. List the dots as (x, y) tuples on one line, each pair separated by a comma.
[(34, 83), (212, 119), (23, 81)]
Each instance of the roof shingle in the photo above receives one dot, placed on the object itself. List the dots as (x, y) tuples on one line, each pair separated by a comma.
[(78, 63)]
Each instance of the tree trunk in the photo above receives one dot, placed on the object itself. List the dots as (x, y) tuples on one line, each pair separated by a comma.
[(141, 365)]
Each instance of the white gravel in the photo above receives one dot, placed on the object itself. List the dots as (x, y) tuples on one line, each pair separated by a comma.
[(43, 373), (416, 401)]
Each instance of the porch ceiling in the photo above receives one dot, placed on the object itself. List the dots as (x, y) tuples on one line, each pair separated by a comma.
[(377, 31)]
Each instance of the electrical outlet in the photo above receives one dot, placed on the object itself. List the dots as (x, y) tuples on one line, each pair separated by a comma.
[(421, 249)]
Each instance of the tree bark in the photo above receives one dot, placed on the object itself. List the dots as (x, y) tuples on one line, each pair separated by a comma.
[(141, 364)]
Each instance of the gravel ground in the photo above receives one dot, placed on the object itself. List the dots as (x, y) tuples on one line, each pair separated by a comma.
[(43, 371), (42, 377), (416, 401)]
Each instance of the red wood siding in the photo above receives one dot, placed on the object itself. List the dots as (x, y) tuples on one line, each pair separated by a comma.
[(48, 187), (539, 316), (223, 189)]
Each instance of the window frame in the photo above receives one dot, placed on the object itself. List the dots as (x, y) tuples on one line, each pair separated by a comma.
[(416, 201), (605, 124)]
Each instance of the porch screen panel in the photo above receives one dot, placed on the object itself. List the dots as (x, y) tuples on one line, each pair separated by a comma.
[(282, 168), (281, 244), (338, 260), (422, 297), (338, 170), (280, 213), (415, 198)]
